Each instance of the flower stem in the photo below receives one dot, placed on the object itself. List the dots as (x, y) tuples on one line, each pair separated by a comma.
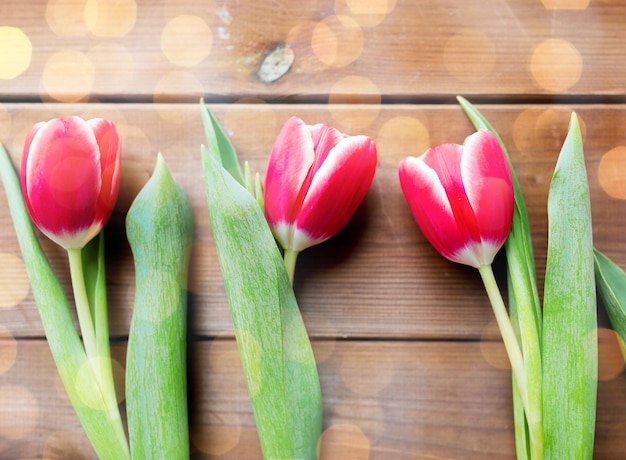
[(516, 359), (290, 263), (85, 320), (506, 331), (98, 353)]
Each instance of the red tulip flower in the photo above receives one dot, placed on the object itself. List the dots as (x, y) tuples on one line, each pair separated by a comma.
[(316, 179), (70, 177), (462, 197)]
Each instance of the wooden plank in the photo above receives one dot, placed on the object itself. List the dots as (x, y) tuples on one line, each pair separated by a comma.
[(378, 277), (401, 400), (170, 50)]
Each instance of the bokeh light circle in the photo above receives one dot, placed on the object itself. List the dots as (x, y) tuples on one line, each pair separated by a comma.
[(354, 90), (8, 349), (612, 172), (186, 40), (14, 282), (403, 136), (556, 65), (68, 76), (534, 127), (337, 41), (565, 4), (610, 358), (368, 13), (66, 17), (16, 52), (205, 9), (105, 18), (344, 441)]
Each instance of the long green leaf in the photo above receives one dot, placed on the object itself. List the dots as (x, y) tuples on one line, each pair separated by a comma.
[(611, 283), (276, 354), (160, 231), (220, 144), (524, 308), (570, 353), (101, 423)]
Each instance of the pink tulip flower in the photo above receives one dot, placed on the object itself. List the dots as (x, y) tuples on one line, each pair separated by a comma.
[(316, 178), (462, 197), (70, 177)]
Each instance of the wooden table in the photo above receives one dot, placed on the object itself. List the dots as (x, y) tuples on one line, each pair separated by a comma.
[(410, 361)]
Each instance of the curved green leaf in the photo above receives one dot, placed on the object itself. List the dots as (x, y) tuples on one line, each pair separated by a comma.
[(611, 283), (275, 350), (160, 231), (570, 345), (220, 144)]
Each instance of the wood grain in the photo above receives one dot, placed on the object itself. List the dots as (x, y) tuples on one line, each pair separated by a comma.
[(410, 360), (397, 50), (421, 374), (401, 400), (378, 277)]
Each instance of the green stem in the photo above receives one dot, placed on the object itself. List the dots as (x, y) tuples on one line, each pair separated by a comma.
[(98, 353), (533, 414), (290, 258), (81, 299), (506, 330)]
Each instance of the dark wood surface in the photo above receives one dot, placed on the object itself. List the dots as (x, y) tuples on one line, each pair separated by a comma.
[(409, 357)]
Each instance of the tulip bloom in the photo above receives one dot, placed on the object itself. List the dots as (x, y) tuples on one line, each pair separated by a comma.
[(316, 178), (462, 197), (70, 177)]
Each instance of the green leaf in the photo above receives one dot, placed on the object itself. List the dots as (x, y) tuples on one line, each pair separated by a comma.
[(160, 231), (611, 283), (101, 422), (524, 306), (275, 350), (219, 144), (95, 284), (570, 353)]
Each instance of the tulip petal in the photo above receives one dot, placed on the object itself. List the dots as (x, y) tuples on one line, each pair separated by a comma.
[(430, 206), (446, 160), (336, 191), (25, 155), (289, 163), (109, 145), (324, 139), (482, 157), (62, 176), (488, 184)]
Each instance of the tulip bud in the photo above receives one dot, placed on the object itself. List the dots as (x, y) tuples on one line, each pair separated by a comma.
[(316, 178), (462, 197), (70, 177)]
